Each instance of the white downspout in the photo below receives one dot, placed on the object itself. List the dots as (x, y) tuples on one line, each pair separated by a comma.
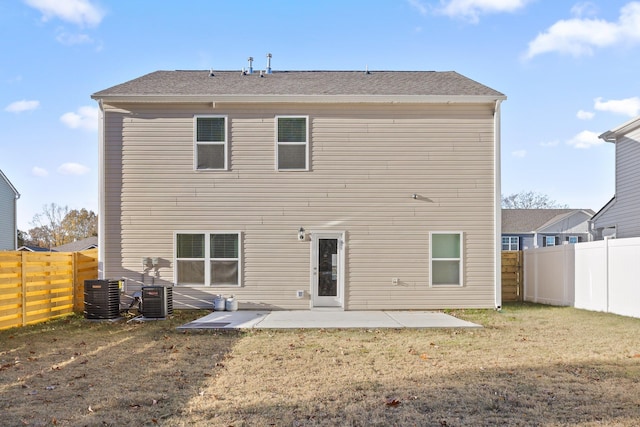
[(101, 196), (15, 222), (498, 207)]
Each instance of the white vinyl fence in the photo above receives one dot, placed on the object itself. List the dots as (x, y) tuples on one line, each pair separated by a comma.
[(598, 276)]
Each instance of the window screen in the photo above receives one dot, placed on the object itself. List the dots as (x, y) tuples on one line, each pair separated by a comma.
[(446, 259), (292, 145), (211, 143)]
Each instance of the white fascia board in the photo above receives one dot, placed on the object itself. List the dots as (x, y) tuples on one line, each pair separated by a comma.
[(307, 99), (613, 134)]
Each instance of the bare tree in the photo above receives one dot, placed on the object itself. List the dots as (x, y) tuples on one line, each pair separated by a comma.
[(47, 231), (57, 225), (530, 200)]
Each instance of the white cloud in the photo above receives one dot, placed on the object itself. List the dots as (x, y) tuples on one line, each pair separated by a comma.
[(80, 12), (38, 171), (628, 106), (85, 118), (585, 115), (70, 39), (417, 4), (519, 153), (587, 8), (585, 139), (20, 106), (553, 143), (580, 36), (73, 169), (472, 9)]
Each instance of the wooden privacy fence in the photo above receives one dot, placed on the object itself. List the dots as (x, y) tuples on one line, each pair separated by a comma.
[(38, 286), (512, 276)]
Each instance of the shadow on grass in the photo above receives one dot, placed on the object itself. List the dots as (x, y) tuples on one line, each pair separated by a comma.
[(76, 372)]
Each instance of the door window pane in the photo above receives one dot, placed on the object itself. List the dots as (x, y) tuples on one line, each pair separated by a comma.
[(327, 267)]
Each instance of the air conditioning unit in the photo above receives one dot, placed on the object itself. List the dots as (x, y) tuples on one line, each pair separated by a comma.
[(157, 302), (102, 299)]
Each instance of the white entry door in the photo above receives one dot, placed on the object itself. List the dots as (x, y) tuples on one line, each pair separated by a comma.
[(327, 269)]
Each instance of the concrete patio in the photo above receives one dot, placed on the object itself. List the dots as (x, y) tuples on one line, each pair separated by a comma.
[(326, 319)]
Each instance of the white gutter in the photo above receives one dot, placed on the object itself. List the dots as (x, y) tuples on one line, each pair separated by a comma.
[(335, 99), (101, 195), (498, 206)]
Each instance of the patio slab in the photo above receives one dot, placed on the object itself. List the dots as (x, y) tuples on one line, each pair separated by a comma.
[(326, 319)]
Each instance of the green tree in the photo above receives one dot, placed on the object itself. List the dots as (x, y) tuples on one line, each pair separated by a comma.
[(57, 225), (23, 238), (80, 224)]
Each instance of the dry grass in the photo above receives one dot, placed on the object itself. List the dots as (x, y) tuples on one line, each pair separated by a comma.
[(530, 365)]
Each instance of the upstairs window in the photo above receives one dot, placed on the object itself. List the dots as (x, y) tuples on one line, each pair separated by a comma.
[(211, 143), (550, 240), (446, 259), (292, 143)]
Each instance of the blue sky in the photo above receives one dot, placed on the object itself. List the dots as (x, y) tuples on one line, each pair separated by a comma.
[(569, 70)]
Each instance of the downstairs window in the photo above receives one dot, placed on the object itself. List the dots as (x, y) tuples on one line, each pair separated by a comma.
[(446, 259), (208, 259)]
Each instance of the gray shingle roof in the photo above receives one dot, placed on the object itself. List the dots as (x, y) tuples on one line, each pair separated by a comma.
[(79, 245), (195, 83), (522, 221)]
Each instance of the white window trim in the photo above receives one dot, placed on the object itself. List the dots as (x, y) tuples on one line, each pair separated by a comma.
[(225, 143), (546, 242), (577, 239), (510, 244), (278, 143), (461, 259), (207, 258)]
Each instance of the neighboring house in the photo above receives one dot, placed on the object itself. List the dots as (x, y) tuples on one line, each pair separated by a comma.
[(32, 248), (537, 228), (620, 217), (8, 214), (296, 190), (79, 245)]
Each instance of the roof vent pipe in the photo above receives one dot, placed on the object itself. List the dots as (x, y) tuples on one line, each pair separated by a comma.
[(251, 65), (268, 63), (211, 72)]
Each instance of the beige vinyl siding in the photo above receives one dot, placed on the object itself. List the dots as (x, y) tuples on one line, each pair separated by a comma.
[(625, 211), (366, 161)]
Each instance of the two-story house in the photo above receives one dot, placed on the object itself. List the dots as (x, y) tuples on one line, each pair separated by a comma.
[(8, 214), (303, 189), (620, 217)]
